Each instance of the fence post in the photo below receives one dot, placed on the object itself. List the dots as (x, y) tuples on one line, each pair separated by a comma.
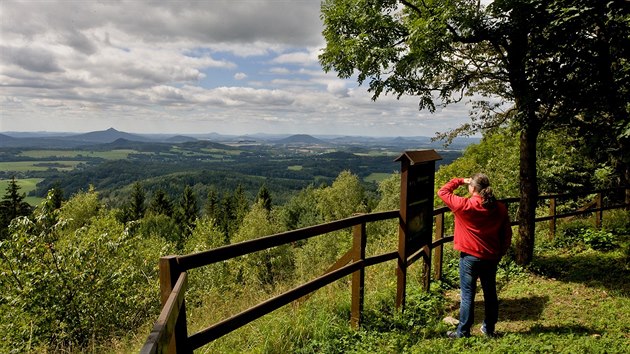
[(599, 214), (169, 273), (359, 241), (552, 221), (426, 267), (438, 257)]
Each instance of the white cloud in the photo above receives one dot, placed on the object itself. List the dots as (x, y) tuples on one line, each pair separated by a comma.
[(232, 66)]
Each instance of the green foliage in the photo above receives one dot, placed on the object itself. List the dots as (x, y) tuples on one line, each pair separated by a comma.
[(388, 199), (264, 196), (12, 206), (496, 156), (158, 226), (80, 209), (187, 212), (64, 273), (135, 208), (301, 210), (160, 204), (215, 277), (599, 239), (343, 198), (269, 267), (580, 234)]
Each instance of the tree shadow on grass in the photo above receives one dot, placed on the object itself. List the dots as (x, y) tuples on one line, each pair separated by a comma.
[(527, 308), (594, 269)]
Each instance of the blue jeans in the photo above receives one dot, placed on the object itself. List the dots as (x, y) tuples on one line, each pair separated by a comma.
[(470, 269)]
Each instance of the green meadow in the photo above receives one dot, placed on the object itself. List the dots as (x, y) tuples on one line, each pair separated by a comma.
[(26, 185), (118, 154), (24, 166)]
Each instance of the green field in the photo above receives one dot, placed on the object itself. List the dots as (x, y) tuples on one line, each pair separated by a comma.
[(295, 168), (26, 185), (23, 166), (108, 155)]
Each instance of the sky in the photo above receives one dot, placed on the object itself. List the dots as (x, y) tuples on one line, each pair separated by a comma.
[(178, 67)]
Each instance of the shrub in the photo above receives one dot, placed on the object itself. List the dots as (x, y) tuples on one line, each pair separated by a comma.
[(569, 234), (601, 240), (65, 287)]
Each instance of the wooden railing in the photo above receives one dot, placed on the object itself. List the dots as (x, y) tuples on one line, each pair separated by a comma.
[(169, 333)]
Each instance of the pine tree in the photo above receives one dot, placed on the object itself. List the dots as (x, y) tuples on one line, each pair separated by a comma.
[(211, 207), (137, 207), (188, 211), (264, 197), (12, 206), (161, 204)]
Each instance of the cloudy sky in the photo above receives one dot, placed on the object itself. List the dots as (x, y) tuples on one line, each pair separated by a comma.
[(231, 67)]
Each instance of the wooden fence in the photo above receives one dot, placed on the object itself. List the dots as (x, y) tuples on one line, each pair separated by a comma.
[(169, 333)]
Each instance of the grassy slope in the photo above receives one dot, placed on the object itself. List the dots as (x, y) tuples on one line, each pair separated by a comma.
[(570, 300), (579, 304), (576, 303)]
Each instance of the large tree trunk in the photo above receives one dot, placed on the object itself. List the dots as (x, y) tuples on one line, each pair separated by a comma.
[(528, 194)]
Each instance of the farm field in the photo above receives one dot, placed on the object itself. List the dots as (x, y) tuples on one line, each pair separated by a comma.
[(26, 166), (27, 185), (116, 154)]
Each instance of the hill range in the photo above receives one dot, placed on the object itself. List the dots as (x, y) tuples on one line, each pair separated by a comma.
[(47, 140)]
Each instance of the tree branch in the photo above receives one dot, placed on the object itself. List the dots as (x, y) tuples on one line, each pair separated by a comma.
[(411, 6)]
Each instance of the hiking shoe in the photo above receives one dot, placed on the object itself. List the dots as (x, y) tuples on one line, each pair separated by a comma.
[(452, 334), (486, 333)]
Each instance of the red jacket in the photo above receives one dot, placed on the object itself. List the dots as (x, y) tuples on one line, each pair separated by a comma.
[(480, 232)]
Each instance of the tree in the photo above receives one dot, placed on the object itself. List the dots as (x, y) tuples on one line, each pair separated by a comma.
[(343, 198), (241, 205), (594, 42), (188, 210), (12, 205), (264, 197), (211, 207), (445, 51), (74, 275), (136, 206), (161, 204)]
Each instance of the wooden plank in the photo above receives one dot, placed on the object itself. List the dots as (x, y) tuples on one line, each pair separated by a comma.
[(359, 240), (220, 329), (242, 248), (438, 250), (164, 327)]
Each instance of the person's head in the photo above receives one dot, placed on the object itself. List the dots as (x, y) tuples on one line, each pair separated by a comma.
[(480, 184)]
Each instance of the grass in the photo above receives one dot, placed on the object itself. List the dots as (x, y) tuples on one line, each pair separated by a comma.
[(542, 310), (23, 166), (568, 300), (119, 154)]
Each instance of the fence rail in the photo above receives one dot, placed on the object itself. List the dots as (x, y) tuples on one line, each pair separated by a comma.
[(169, 333)]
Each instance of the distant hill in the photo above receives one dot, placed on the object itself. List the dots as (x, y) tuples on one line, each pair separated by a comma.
[(301, 139), (205, 144), (107, 136), (180, 139), (6, 138), (129, 144)]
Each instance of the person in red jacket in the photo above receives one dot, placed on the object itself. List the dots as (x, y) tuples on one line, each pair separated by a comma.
[(483, 235)]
